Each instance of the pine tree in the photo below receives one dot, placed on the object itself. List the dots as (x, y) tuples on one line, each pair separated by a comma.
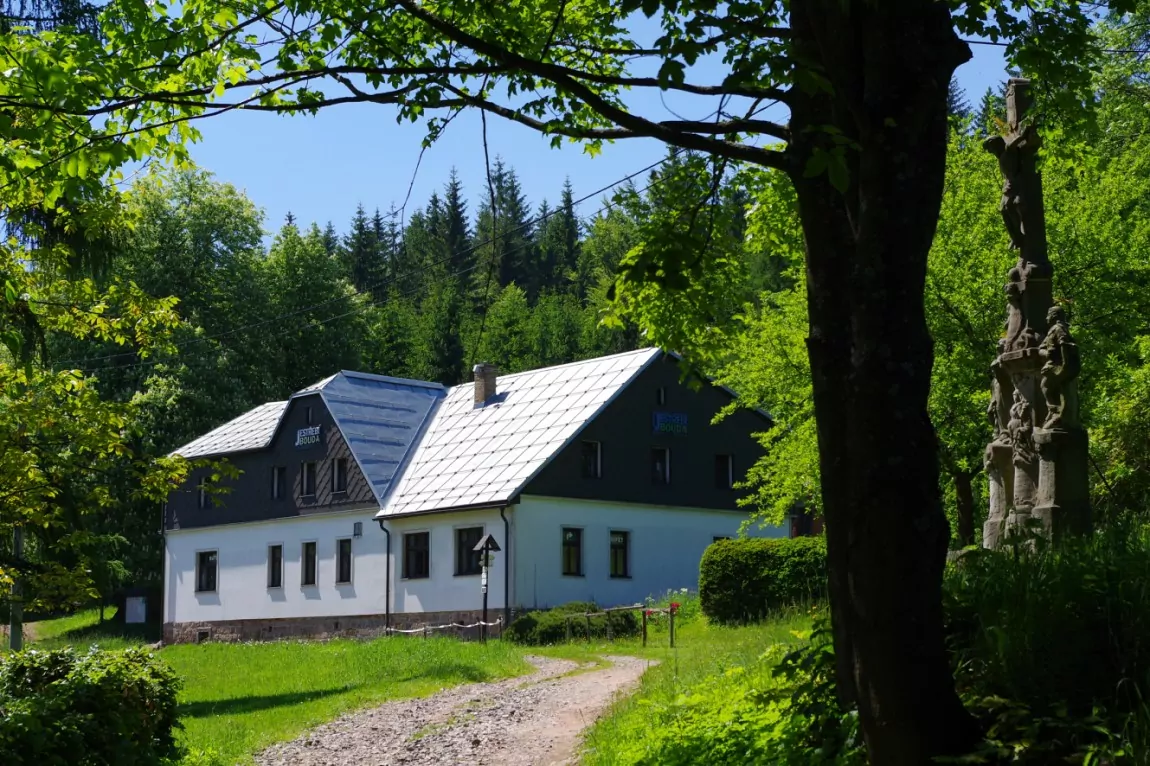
[(455, 230), (289, 219), (503, 249), (438, 353), (362, 263), (957, 105), (331, 242), (571, 229)]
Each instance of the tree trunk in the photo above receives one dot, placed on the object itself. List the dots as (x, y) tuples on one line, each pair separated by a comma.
[(964, 503), (888, 66)]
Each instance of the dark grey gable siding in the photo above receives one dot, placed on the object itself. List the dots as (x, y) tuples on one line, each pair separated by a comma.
[(250, 496), (625, 430)]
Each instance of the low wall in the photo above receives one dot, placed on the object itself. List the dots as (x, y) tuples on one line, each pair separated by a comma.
[(358, 626)]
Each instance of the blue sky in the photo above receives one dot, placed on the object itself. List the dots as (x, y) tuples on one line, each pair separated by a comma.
[(321, 167)]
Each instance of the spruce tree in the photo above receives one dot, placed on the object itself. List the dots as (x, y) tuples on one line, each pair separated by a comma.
[(455, 230), (957, 105), (331, 241)]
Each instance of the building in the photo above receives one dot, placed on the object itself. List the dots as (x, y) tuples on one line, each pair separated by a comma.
[(361, 498)]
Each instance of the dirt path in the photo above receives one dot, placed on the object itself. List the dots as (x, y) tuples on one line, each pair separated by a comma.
[(533, 720)]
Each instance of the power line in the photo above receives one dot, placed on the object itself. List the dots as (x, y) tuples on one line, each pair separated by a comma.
[(1001, 44)]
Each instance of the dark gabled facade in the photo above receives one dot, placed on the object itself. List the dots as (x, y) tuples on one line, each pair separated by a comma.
[(249, 497), (658, 411)]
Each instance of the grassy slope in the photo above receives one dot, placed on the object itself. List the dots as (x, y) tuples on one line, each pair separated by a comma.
[(239, 698), (705, 652)]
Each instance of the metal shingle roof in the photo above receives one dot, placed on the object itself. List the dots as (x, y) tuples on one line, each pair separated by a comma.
[(252, 430), (484, 455)]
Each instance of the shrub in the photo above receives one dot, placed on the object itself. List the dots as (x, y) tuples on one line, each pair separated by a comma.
[(93, 709), (745, 580), (550, 627)]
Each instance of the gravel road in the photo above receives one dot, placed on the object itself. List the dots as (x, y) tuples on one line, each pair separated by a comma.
[(533, 720)]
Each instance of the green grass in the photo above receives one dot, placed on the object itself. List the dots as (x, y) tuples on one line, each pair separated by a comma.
[(704, 653), (239, 698)]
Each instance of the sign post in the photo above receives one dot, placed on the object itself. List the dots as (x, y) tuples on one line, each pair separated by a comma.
[(485, 548)]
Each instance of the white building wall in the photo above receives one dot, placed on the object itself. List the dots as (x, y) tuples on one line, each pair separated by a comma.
[(666, 547), (242, 591), (444, 591)]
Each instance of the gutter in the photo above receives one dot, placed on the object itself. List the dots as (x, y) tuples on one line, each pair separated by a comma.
[(506, 571), (386, 581)]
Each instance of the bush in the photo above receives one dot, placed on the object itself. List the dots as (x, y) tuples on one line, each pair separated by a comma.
[(550, 627), (747, 579), (92, 709)]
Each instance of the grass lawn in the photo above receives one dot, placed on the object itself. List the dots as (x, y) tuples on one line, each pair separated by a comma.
[(239, 698)]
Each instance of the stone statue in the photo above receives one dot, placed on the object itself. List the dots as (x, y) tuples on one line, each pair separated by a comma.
[(1061, 366), (1019, 334), (1021, 428)]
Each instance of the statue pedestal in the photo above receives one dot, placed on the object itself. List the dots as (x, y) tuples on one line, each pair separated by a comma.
[(1000, 470), (1063, 496)]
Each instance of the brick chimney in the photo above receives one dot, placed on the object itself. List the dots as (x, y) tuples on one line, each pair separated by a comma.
[(484, 382)]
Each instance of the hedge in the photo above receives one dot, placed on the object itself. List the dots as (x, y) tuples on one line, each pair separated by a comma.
[(744, 580), (93, 709), (550, 627)]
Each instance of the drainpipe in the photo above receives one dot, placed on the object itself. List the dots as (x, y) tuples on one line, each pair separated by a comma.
[(506, 570), (386, 581)]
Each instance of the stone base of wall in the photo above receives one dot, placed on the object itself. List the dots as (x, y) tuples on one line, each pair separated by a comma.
[(357, 626)]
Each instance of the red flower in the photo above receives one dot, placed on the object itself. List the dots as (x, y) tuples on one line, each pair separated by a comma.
[(674, 605)]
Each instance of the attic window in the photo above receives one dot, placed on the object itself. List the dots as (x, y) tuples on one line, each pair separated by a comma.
[(592, 457), (307, 479), (307, 414), (202, 493), (661, 395), (661, 465), (339, 475)]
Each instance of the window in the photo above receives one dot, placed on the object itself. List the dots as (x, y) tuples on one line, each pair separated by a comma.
[(468, 561), (307, 479), (307, 414), (343, 560), (573, 551), (592, 460), (724, 471), (661, 465), (278, 475), (620, 554), (275, 566), (417, 555), (206, 572), (339, 475), (309, 563), (202, 493), (661, 395)]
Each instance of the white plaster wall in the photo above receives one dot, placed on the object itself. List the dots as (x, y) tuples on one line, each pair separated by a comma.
[(666, 546), (444, 591), (241, 582)]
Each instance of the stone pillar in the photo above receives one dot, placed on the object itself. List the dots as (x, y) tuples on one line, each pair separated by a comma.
[(1063, 489), (1000, 471)]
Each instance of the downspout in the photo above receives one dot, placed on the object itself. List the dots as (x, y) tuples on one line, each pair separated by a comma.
[(506, 570), (387, 582)]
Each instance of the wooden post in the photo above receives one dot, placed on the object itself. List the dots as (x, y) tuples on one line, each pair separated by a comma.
[(672, 611), (610, 635), (644, 627), (425, 630), (568, 621), (588, 615)]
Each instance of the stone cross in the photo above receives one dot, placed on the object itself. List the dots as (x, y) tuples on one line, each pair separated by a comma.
[(1036, 462)]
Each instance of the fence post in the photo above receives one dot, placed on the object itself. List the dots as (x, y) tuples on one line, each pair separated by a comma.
[(644, 627), (610, 634), (425, 630), (588, 616), (672, 610)]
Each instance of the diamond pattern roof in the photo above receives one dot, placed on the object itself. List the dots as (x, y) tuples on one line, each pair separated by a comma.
[(252, 430), (478, 455)]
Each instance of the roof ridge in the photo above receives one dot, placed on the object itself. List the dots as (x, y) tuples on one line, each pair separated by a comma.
[(647, 350)]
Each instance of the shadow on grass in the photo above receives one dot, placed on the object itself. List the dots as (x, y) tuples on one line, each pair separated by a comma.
[(239, 705), (467, 672), (93, 634)]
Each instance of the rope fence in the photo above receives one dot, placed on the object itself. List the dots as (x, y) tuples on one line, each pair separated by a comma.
[(428, 629), (606, 613)]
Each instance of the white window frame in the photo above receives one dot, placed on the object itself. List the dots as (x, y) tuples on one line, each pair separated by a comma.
[(582, 550), (269, 566), (197, 572), (350, 560), (303, 563)]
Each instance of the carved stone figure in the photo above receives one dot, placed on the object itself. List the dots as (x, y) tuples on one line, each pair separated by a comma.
[(1061, 366), (1021, 429)]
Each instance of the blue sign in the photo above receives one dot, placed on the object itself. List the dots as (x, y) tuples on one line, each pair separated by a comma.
[(308, 437), (670, 423)]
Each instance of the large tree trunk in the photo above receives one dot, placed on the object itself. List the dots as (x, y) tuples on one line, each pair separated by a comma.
[(888, 65)]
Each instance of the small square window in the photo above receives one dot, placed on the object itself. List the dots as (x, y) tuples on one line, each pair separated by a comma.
[(661, 465), (275, 566), (279, 474), (467, 560), (592, 456), (724, 472), (620, 554), (339, 475), (343, 560), (572, 551), (206, 571), (309, 564), (417, 555), (307, 479)]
